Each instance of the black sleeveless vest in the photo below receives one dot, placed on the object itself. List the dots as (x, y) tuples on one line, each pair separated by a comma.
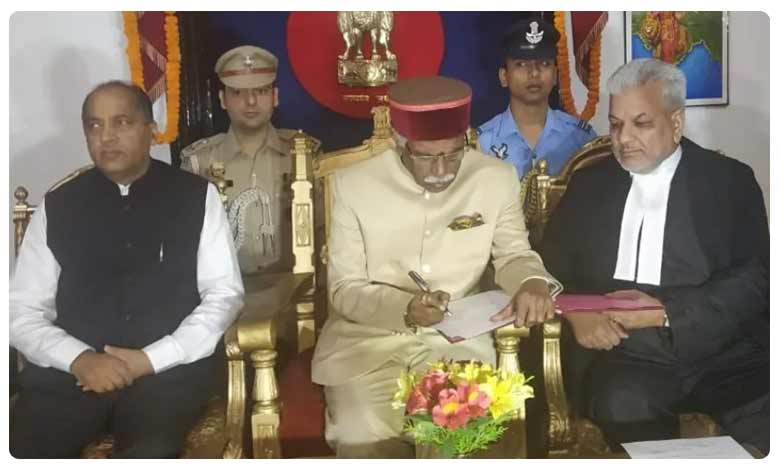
[(129, 263)]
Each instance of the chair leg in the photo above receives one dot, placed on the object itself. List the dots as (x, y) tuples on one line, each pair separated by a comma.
[(567, 435), (236, 398), (561, 434), (507, 345), (265, 410)]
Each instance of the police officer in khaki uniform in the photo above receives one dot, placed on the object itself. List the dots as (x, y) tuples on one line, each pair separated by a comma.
[(256, 158)]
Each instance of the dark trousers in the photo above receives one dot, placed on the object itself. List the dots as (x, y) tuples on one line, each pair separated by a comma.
[(149, 419), (634, 398)]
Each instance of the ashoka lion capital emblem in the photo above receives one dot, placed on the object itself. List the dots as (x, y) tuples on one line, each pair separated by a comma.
[(376, 71)]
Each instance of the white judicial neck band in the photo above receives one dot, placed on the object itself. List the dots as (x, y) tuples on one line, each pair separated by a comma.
[(645, 213)]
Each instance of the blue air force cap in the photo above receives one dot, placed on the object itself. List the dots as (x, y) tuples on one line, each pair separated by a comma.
[(532, 39)]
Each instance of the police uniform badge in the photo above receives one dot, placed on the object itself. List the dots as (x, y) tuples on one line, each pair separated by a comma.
[(466, 222)]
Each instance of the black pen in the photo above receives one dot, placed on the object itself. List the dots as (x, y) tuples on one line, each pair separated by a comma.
[(423, 285)]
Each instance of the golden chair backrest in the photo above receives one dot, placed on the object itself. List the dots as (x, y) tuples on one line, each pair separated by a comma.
[(311, 217), (541, 192), (327, 164)]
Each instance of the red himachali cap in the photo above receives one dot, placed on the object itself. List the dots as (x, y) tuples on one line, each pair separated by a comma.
[(430, 107)]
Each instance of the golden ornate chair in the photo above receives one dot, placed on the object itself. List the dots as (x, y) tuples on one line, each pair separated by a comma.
[(288, 414), (569, 435), (220, 432)]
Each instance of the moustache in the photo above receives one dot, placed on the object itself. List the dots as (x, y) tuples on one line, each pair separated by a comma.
[(628, 149), (439, 179)]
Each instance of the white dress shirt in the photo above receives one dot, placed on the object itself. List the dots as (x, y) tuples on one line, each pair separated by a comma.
[(34, 288), (640, 258)]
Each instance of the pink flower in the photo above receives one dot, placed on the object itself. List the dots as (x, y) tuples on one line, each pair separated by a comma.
[(450, 412), (433, 383), (416, 403), (476, 400)]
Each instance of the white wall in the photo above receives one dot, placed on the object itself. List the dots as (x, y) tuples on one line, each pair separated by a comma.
[(741, 128), (55, 58)]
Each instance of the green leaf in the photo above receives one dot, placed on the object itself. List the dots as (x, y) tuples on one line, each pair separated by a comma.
[(447, 449), (419, 417)]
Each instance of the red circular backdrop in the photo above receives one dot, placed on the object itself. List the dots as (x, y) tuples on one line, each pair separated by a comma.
[(314, 44)]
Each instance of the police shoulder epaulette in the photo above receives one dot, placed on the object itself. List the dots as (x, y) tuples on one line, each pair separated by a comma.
[(202, 144), (583, 125), (486, 127)]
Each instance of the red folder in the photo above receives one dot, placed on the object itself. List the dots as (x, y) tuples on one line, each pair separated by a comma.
[(568, 303)]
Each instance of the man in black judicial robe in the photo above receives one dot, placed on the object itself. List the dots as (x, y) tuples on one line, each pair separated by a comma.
[(666, 219)]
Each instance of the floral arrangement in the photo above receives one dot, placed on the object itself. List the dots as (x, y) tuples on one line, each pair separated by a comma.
[(459, 407)]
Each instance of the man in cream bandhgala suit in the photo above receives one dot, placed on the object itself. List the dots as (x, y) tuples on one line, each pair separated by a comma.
[(392, 214)]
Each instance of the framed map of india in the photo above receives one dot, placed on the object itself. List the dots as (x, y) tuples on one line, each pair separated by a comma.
[(695, 41)]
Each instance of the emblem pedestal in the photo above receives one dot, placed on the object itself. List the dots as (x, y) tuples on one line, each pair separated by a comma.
[(367, 72)]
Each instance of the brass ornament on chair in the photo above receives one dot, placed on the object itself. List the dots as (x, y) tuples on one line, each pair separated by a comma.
[(217, 176), (302, 209), (373, 72)]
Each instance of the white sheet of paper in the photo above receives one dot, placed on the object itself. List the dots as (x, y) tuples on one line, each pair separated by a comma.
[(704, 447), (471, 315)]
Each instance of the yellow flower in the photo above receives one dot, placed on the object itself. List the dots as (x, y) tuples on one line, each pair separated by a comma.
[(406, 383), (484, 372), (507, 392), (438, 365), (473, 372)]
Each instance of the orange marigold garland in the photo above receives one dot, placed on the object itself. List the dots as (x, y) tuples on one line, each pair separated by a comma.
[(172, 74), (172, 68), (564, 75), (130, 19)]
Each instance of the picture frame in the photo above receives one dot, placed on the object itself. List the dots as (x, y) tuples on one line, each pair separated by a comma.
[(694, 41)]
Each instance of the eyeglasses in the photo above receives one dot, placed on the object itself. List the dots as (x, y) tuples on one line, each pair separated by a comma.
[(453, 157)]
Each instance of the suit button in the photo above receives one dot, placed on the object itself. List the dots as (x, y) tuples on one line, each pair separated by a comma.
[(426, 268), (128, 245), (128, 317), (427, 232), (126, 207)]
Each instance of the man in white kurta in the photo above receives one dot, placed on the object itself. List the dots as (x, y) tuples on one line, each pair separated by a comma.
[(392, 214)]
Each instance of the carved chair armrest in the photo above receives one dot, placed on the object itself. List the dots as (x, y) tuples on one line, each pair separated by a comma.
[(254, 338), (268, 308), (286, 297)]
